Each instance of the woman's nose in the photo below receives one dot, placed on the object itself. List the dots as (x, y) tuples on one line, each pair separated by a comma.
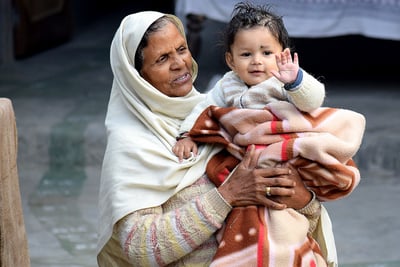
[(177, 62)]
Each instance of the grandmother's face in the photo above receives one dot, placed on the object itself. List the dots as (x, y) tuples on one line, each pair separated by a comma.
[(167, 62)]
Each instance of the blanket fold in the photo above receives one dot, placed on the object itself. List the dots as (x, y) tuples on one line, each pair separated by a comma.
[(320, 145)]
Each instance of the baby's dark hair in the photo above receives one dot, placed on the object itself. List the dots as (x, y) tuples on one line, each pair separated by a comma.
[(246, 15)]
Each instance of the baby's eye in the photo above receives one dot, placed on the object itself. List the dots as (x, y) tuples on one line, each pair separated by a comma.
[(267, 53), (246, 54)]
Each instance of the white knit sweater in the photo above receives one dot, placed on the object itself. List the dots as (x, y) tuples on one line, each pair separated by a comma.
[(230, 91)]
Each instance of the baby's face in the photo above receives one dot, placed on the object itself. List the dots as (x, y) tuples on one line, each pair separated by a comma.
[(252, 55)]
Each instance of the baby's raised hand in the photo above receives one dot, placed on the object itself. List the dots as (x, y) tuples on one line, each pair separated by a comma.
[(287, 68)]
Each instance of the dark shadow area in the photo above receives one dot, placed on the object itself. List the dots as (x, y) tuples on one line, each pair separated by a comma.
[(42, 25), (347, 59), (341, 58)]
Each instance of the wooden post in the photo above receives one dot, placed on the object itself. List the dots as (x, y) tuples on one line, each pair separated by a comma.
[(6, 32), (14, 250)]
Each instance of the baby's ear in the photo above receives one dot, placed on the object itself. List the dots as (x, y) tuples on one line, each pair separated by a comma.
[(229, 60)]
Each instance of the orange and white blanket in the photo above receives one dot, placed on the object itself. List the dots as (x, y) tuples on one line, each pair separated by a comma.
[(320, 145)]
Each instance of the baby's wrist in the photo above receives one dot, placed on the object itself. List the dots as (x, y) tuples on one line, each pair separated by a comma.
[(182, 136), (296, 83)]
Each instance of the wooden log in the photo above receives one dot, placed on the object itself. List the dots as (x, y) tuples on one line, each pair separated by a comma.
[(13, 241)]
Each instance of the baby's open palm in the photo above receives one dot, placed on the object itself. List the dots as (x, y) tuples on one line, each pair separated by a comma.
[(287, 68)]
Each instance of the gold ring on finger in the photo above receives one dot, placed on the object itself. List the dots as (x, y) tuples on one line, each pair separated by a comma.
[(268, 191)]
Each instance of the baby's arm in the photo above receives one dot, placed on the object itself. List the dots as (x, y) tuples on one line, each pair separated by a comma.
[(308, 94), (185, 146)]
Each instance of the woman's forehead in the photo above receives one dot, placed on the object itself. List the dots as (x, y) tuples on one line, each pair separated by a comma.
[(169, 37)]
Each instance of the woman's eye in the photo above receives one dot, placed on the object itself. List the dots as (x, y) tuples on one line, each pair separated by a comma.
[(182, 49), (162, 58)]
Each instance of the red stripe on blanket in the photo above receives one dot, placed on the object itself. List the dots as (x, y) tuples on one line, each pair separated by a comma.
[(260, 245), (274, 123), (257, 147), (284, 155), (284, 152), (222, 175), (273, 126)]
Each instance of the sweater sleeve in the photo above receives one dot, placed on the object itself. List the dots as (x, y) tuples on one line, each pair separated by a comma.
[(150, 237), (308, 95), (312, 211)]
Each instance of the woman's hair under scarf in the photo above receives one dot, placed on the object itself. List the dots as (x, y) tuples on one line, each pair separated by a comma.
[(139, 168)]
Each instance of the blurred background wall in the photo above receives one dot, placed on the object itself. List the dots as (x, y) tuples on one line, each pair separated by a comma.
[(28, 27)]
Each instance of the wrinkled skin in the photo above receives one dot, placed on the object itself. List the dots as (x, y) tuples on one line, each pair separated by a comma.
[(247, 184)]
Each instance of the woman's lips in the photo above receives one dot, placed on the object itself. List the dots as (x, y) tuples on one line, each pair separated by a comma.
[(183, 78)]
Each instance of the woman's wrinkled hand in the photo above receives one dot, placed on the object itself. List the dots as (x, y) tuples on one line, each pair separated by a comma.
[(247, 185), (302, 195)]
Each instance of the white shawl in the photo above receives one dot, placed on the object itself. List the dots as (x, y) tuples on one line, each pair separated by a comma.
[(139, 168)]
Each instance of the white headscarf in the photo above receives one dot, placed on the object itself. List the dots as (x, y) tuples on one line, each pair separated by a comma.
[(139, 167)]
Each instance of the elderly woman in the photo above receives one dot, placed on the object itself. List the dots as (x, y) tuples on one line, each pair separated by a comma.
[(155, 210)]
